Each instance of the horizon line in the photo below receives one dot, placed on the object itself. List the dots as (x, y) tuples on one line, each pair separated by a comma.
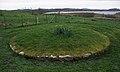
[(61, 8)]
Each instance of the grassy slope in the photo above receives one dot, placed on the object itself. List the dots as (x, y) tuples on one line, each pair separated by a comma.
[(41, 41), (108, 62)]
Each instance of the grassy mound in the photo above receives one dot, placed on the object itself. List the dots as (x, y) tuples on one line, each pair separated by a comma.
[(59, 40)]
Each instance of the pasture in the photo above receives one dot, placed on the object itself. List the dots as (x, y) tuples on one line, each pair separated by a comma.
[(15, 27)]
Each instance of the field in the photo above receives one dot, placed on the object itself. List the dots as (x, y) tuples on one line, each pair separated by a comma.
[(11, 62)]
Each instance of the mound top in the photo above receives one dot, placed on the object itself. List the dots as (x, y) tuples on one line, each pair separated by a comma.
[(49, 41)]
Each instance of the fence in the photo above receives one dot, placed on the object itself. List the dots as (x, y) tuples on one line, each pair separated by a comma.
[(22, 20), (27, 20), (15, 21)]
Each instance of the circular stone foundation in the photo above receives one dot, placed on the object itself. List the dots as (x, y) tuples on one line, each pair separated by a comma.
[(42, 43)]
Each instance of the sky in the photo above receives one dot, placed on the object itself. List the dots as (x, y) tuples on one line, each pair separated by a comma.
[(34, 4)]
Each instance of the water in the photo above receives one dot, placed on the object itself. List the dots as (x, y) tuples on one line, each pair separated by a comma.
[(98, 12)]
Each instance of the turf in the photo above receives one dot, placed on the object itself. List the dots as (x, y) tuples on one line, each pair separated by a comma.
[(108, 62), (42, 42)]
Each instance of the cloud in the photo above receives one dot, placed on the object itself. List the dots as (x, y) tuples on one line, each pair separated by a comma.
[(94, 4)]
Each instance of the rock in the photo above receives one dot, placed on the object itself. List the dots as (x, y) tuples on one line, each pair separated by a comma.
[(38, 56), (53, 56), (46, 56), (65, 56), (68, 56), (21, 53), (87, 55), (12, 47)]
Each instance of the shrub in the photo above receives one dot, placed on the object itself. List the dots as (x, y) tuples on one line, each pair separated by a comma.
[(110, 16), (1, 14), (93, 19), (62, 31), (86, 14)]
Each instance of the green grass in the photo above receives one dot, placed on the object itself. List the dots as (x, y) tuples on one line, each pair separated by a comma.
[(41, 41), (108, 62)]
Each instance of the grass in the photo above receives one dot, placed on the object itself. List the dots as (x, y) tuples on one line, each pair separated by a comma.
[(108, 62), (40, 41)]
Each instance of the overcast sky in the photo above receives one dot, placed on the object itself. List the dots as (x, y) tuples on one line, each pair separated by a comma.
[(34, 4)]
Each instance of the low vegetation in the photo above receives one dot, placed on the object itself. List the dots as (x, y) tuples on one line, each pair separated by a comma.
[(60, 30), (101, 31), (42, 42)]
